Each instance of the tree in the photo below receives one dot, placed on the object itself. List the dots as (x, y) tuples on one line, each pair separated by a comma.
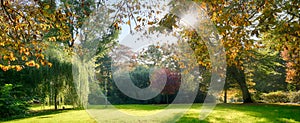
[(140, 76), (25, 27), (173, 80), (50, 85), (239, 21), (268, 70), (54, 84), (28, 25), (10, 103), (279, 22)]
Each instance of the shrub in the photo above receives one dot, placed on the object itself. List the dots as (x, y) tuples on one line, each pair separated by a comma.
[(295, 97), (10, 105), (257, 97), (276, 97)]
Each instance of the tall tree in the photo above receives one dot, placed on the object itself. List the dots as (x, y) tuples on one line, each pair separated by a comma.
[(239, 22), (279, 22)]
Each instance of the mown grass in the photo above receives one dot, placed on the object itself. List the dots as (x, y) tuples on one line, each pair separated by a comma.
[(248, 113), (222, 113), (46, 114)]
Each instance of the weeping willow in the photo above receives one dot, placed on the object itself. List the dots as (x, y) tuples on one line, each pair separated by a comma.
[(82, 74), (55, 83)]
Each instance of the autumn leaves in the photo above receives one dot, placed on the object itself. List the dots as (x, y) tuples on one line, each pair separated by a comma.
[(25, 28)]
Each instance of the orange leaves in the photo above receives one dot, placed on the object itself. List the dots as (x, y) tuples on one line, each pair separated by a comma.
[(24, 58), (2, 44), (150, 22), (137, 27), (203, 5), (52, 39), (14, 67), (37, 66), (5, 68), (44, 63), (30, 63), (181, 65), (138, 18), (175, 57), (50, 64), (10, 57), (128, 22), (24, 51), (18, 68), (40, 56), (214, 16), (116, 25), (21, 34), (27, 53), (5, 57)]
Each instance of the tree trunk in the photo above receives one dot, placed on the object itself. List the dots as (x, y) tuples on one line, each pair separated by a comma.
[(245, 91), (225, 95), (242, 82), (167, 98), (55, 99), (239, 75), (55, 102)]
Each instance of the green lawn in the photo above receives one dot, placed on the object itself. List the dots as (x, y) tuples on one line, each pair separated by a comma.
[(239, 113)]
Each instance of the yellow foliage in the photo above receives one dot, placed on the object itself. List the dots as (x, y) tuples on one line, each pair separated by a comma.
[(47, 7), (18, 68), (50, 64), (30, 63), (5, 68)]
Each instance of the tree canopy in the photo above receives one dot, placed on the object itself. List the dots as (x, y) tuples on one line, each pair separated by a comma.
[(260, 38)]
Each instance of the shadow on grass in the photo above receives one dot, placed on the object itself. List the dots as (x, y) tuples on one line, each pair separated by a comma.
[(191, 120), (43, 113)]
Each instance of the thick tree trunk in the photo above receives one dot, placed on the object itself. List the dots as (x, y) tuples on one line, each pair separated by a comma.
[(242, 82), (245, 91), (239, 75)]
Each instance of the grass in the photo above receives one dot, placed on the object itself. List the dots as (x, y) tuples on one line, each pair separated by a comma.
[(46, 114), (222, 113), (248, 113)]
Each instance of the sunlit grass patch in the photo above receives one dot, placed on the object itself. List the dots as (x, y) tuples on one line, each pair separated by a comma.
[(222, 113), (62, 116), (246, 113)]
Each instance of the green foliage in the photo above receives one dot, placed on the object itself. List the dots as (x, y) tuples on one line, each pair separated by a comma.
[(140, 76), (276, 97), (10, 104), (295, 97), (281, 97), (45, 83), (267, 71)]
